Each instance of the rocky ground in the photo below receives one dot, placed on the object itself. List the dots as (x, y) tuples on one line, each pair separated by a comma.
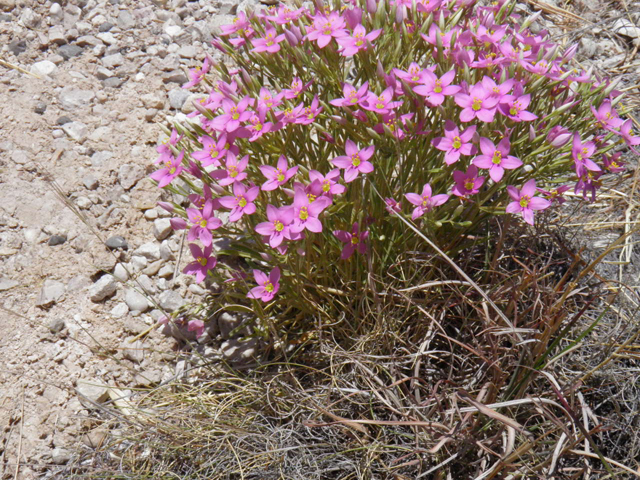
[(108, 72)]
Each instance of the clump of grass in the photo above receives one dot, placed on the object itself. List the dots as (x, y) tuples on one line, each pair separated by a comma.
[(439, 388)]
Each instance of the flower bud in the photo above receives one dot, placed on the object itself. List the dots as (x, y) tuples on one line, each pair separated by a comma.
[(178, 223), (166, 206)]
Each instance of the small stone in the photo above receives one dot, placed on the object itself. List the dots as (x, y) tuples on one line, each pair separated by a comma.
[(55, 12), (166, 271), (103, 288), (138, 262), (625, 27), (133, 351), (170, 300), (119, 310), (136, 301), (188, 51), (7, 284), (175, 76), (77, 131), (43, 68), (229, 324), (56, 240), (162, 228), (52, 291), (149, 100), (173, 30), (90, 182), (91, 393), (129, 174), (29, 18), (56, 35), (70, 51), (103, 73), (113, 82), (120, 273), (56, 325), (20, 157), (107, 38), (147, 379), (40, 108), (71, 98), (150, 114), (116, 241), (95, 438), (60, 456), (151, 214), (63, 120), (105, 27), (125, 20), (150, 250), (7, 5), (77, 283), (153, 268), (177, 97), (17, 47), (239, 351), (113, 61)]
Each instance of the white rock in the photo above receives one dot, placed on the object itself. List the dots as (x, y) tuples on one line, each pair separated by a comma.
[(119, 310), (71, 98), (162, 228), (76, 130), (150, 250), (29, 18), (113, 61), (133, 351), (166, 271), (170, 300), (120, 273), (188, 51), (43, 68), (89, 393), (138, 262), (56, 35), (173, 30), (51, 292), (103, 288), (136, 301), (107, 37), (150, 100), (129, 174), (7, 283)]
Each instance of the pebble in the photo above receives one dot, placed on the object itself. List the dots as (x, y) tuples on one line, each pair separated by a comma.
[(116, 241), (113, 61), (43, 68), (95, 438), (56, 35), (78, 131), (162, 228), (7, 5), (40, 108), (166, 271), (239, 351), (119, 310), (107, 38), (120, 273), (177, 98), (7, 284), (103, 73), (90, 182), (133, 351), (170, 300), (103, 288), (89, 393), (138, 262), (56, 240), (60, 456), (70, 51), (175, 76), (151, 214), (84, 203), (52, 291), (29, 18), (113, 82), (56, 325), (125, 20), (71, 98), (129, 174), (136, 301), (153, 268), (149, 250), (228, 322), (149, 100), (17, 47), (188, 51)]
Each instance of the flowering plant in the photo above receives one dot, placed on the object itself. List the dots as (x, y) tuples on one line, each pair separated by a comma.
[(338, 118)]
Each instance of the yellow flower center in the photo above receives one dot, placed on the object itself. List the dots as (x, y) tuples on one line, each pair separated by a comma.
[(497, 157), (354, 239), (268, 287), (524, 201), (172, 170), (496, 90), (311, 197), (257, 127), (203, 223), (234, 113), (202, 261), (355, 159), (425, 200), (326, 185), (242, 202), (469, 184), (278, 225), (233, 171), (457, 142), (280, 177), (438, 86), (477, 104), (304, 214)]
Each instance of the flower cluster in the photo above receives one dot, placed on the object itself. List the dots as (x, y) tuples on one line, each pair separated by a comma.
[(302, 156)]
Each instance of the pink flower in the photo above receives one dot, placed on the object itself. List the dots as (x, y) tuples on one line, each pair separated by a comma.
[(306, 212), (258, 126), (626, 130), (606, 116), (392, 205), (267, 101), (413, 75), (455, 143), (359, 40), (555, 195), (164, 148), (285, 15), (278, 176), (495, 90), (352, 97), (202, 264), (613, 163), (478, 104), (241, 202), (267, 286), (355, 240), (355, 162), (425, 201), (212, 150), (381, 103), (467, 183), (172, 168), (235, 170), (558, 136), (524, 201), (581, 153), (197, 74), (435, 89), (233, 114), (496, 159), (310, 113), (297, 87), (203, 222), (240, 23), (196, 326), (514, 108), (290, 115), (325, 185), (326, 28), (269, 43), (277, 228)]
